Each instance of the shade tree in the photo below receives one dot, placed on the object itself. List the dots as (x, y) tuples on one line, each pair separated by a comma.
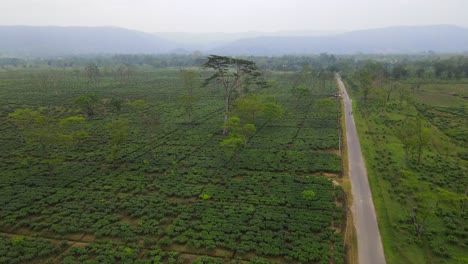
[(88, 103), (233, 75)]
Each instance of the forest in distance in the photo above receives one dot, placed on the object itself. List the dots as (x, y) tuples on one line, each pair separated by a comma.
[(212, 159)]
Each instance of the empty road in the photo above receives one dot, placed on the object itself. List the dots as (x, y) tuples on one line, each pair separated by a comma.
[(370, 248)]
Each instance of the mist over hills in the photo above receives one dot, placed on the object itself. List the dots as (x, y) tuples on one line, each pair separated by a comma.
[(33, 41), (439, 38), (207, 41), (54, 41)]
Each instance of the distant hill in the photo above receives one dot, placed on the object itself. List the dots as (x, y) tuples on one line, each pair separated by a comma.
[(207, 41), (406, 39), (52, 41)]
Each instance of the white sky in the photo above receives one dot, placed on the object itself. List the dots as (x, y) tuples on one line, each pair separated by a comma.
[(234, 15)]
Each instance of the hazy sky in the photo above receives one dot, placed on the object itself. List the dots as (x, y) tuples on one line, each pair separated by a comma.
[(234, 15)]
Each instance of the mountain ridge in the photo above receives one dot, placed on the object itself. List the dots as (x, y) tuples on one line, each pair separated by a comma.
[(58, 41), (51, 40), (401, 39)]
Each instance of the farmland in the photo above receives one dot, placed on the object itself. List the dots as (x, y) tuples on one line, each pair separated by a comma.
[(413, 135), (131, 168)]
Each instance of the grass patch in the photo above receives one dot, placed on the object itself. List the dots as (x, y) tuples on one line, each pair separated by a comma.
[(394, 190)]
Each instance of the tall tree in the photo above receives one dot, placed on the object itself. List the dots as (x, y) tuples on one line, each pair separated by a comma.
[(124, 73), (234, 75), (423, 137), (414, 136), (365, 82), (405, 133), (399, 72), (92, 72)]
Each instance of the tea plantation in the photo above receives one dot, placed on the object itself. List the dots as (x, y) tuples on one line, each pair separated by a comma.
[(124, 170)]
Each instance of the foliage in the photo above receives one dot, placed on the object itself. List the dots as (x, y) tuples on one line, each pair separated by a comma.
[(239, 134), (169, 191), (119, 132), (235, 75), (19, 249), (414, 165), (74, 127), (308, 194), (27, 121), (88, 104)]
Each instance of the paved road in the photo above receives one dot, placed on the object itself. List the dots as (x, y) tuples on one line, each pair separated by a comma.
[(370, 248)]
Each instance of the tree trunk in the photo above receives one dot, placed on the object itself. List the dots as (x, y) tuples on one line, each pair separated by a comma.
[(419, 153), (463, 203), (226, 117), (419, 227)]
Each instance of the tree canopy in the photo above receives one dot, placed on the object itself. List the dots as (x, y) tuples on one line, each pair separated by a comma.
[(235, 75)]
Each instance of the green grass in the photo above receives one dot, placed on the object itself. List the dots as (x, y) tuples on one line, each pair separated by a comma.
[(384, 157), (442, 94), (383, 203)]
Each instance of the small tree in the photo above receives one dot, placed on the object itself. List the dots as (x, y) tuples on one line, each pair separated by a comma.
[(423, 138), (413, 136), (365, 83), (248, 107), (251, 106), (74, 129), (27, 121), (139, 105), (239, 135), (308, 194), (234, 75), (117, 104), (272, 110), (92, 72), (88, 104), (399, 72), (118, 130), (124, 73), (405, 132), (324, 76), (42, 133), (454, 200), (241, 122), (239, 129), (420, 203)]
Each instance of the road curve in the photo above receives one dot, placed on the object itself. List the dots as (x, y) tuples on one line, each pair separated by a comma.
[(370, 248)]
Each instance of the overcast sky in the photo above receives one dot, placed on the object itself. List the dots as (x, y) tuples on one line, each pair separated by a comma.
[(234, 15)]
